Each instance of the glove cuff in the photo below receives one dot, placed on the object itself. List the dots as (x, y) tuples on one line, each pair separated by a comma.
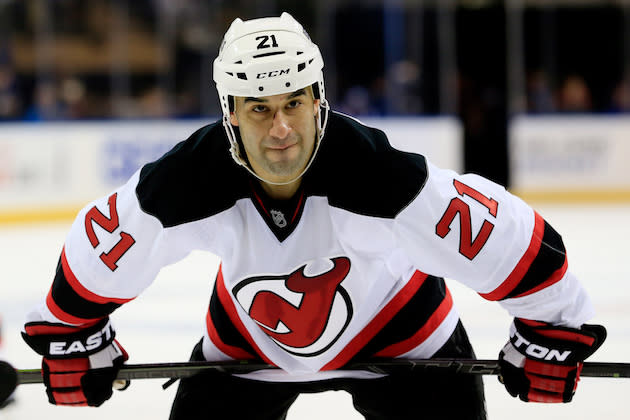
[(555, 344), (48, 340)]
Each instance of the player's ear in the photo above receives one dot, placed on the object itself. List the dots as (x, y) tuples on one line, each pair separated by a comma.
[(233, 119), (233, 105), (315, 106)]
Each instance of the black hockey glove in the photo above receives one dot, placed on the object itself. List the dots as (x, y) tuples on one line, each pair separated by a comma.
[(8, 382), (542, 362), (79, 364)]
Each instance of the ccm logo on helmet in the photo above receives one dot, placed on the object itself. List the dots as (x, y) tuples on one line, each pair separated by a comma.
[(92, 342), (270, 74), (537, 351)]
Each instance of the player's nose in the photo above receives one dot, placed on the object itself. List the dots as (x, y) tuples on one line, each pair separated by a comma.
[(280, 127)]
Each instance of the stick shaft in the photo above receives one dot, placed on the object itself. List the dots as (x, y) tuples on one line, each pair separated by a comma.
[(467, 366)]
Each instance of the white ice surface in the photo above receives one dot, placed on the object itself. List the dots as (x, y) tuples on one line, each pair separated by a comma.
[(164, 323)]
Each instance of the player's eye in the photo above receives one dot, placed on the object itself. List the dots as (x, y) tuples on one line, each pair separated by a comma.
[(259, 108), (293, 104)]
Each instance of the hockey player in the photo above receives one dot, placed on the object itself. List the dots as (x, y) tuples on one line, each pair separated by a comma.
[(334, 247)]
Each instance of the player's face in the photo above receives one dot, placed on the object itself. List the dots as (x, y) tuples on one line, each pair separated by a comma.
[(278, 132)]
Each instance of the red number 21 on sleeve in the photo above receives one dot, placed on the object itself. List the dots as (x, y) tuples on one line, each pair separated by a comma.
[(110, 224), (467, 246)]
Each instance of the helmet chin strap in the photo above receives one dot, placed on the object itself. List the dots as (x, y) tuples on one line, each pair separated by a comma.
[(236, 152)]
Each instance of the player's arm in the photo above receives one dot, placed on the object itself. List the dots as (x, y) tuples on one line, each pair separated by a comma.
[(469, 229), (112, 252)]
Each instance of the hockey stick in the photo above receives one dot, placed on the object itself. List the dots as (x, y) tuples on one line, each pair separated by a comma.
[(467, 366)]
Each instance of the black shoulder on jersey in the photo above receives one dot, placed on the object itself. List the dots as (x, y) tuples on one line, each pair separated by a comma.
[(361, 172), (194, 180), (356, 168)]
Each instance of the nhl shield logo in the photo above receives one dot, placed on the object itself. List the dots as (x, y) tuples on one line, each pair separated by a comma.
[(303, 314), (278, 218)]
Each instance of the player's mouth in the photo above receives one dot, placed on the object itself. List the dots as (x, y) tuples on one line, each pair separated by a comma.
[(281, 147)]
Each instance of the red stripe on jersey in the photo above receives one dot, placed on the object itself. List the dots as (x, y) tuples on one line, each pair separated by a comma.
[(262, 206), (81, 290), (554, 278), (230, 308), (423, 333), (523, 265), (232, 351), (378, 322), (63, 315)]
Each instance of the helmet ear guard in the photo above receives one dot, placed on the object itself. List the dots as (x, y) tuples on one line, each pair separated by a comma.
[(265, 57)]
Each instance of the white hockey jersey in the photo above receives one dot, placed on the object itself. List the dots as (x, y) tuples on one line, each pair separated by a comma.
[(351, 267)]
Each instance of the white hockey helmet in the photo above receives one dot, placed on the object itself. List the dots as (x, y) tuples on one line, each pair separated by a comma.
[(265, 57)]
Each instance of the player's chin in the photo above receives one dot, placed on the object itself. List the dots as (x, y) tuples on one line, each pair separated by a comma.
[(284, 170)]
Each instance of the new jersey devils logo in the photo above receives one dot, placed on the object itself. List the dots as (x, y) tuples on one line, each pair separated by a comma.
[(304, 314)]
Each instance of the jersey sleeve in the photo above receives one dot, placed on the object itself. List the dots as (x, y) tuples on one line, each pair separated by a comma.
[(113, 251), (469, 229)]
